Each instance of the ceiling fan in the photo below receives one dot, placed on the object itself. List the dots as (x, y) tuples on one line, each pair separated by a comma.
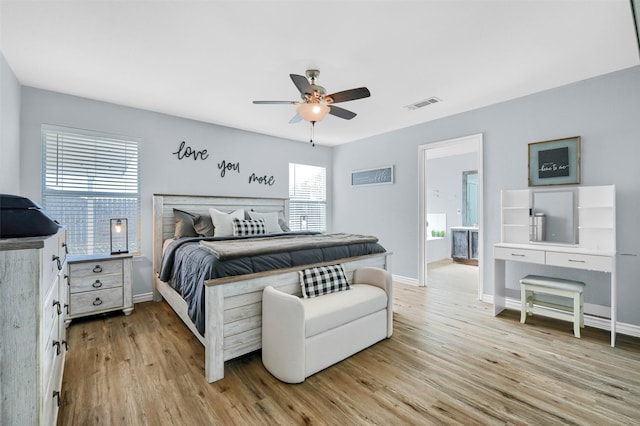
[(316, 104)]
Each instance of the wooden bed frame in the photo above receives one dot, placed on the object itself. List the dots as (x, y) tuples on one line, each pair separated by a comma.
[(233, 305)]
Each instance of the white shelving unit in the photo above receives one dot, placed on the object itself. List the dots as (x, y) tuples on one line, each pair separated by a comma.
[(597, 217), (515, 216)]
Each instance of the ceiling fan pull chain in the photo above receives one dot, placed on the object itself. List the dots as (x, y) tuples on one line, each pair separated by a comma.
[(313, 126)]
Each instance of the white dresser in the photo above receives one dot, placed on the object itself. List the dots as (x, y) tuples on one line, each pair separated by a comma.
[(32, 331)]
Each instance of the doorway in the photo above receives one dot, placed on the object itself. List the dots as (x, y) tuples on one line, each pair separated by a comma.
[(435, 192)]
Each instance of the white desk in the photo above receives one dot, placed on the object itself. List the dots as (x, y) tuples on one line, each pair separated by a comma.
[(553, 255)]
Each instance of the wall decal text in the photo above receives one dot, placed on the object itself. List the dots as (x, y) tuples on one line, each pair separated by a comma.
[(265, 180), (228, 167), (186, 151)]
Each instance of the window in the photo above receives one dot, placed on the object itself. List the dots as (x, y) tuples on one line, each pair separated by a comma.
[(307, 198), (87, 179)]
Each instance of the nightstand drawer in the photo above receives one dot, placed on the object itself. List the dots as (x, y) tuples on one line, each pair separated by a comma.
[(95, 301), (100, 267), (580, 261), (99, 282)]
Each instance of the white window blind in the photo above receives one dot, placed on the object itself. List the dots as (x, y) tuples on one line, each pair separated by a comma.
[(87, 179), (307, 198)]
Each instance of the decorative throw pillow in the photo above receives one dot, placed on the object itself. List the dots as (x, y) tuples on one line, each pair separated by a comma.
[(323, 280), (242, 227), (203, 225), (270, 221), (223, 222), (184, 224), (283, 225)]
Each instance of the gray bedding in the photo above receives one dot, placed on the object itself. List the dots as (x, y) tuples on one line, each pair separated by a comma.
[(188, 262)]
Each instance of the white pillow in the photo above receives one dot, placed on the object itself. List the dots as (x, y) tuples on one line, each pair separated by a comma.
[(223, 222), (270, 220)]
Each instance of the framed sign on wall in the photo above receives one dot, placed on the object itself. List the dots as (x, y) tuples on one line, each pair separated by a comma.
[(377, 176), (555, 162)]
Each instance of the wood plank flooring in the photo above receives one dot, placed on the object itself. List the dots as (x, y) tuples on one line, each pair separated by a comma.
[(449, 361)]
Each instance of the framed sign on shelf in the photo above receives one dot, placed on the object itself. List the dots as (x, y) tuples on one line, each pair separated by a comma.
[(377, 176), (555, 162)]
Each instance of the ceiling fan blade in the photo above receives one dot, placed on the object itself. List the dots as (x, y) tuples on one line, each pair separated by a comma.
[(349, 95), (296, 119), (341, 112), (275, 102), (301, 83)]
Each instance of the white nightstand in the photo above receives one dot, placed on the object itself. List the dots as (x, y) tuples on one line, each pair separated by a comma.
[(99, 283)]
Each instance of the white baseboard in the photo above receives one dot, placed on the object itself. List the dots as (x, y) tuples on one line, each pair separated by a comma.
[(589, 318), (405, 280), (145, 297)]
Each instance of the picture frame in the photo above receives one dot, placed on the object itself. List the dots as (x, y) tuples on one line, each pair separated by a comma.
[(376, 176), (555, 162)]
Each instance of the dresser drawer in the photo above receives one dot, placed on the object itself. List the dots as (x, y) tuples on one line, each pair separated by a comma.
[(97, 282), (580, 261), (51, 264), (97, 268), (519, 255), (95, 301), (51, 310)]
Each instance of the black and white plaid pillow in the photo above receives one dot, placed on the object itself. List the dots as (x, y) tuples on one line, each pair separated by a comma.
[(243, 227), (323, 280)]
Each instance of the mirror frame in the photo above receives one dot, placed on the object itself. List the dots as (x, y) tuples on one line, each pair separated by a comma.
[(574, 229)]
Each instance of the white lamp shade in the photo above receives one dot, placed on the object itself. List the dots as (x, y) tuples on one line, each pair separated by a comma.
[(313, 111)]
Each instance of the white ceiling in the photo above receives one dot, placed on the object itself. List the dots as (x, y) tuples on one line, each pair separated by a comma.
[(208, 60)]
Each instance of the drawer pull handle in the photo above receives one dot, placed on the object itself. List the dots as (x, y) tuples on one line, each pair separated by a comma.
[(57, 305), (56, 395), (97, 284), (66, 307), (66, 248), (66, 345), (577, 260), (97, 302), (66, 277), (57, 259), (518, 255), (97, 269), (57, 346)]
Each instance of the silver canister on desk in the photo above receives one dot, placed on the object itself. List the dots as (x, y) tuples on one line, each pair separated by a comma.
[(537, 227)]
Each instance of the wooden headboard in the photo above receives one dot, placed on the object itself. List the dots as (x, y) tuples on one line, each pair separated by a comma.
[(164, 222)]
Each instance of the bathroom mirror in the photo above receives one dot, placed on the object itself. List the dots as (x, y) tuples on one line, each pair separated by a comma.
[(470, 198), (554, 217)]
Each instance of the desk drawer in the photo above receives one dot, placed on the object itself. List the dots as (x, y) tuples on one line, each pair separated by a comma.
[(580, 261), (519, 255)]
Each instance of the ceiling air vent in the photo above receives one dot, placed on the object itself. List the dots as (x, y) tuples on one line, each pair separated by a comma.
[(429, 101)]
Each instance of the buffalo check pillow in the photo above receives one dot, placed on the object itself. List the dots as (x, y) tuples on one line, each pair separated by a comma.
[(323, 280), (243, 227)]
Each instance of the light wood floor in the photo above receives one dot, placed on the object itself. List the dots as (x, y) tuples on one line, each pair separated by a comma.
[(449, 362)]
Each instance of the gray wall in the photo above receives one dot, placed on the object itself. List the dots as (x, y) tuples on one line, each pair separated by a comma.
[(161, 171), (9, 130), (604, 111)]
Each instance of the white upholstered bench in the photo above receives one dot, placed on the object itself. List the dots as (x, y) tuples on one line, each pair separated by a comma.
[(301, 336), (532, 284)]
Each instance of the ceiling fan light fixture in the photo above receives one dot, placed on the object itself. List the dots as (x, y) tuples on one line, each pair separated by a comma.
[(313, 112)]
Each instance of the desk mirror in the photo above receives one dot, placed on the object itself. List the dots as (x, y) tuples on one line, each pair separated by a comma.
[(554, 217)]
